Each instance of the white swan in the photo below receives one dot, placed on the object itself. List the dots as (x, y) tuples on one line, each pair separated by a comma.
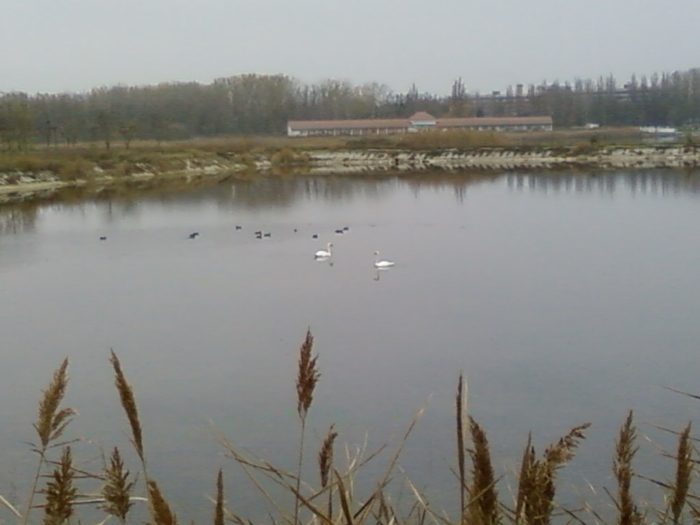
[(382, 264), (324, 253)]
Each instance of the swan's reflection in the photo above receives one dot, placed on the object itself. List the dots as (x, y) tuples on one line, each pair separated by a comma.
[(379, 271), (328, 260)]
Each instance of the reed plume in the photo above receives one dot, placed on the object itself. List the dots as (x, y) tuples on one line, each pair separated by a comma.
[(684, 473), (537, 488), (307, 378), (325, 465), (128, 402), (625, 450), (61, 492), (325, 456), (50, 424), (160, 510), (117, 489), (51, 421), (219, 508), (526, 483), (483, 504)]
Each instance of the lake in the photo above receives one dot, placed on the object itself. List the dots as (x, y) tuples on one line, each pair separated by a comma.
[(564, 298)]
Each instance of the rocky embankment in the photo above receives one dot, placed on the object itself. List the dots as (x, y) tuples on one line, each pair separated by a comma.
[(18, 186), (508, 159)]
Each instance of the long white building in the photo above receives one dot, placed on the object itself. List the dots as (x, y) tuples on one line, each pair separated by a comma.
[(416, 122)]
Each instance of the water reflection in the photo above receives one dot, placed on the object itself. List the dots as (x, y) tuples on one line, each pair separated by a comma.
[(379, 271), (16, 222), (608, 183), (559, 310), (113, 205), (18, 218)]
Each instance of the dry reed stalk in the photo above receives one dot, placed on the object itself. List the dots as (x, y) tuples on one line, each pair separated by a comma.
[(50, 424), (625, 450), (307, 378), (346, 498), (250, 467), (160, 510), (117, 488), (10, 507), (219, 508), (461, 462), (325, 465), (385, 512), (128, 402), (483, 505), (684, 472), (423, 509), (60, 491)]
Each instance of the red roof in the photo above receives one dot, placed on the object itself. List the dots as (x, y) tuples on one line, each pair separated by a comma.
[(349, 124), (422, 116)]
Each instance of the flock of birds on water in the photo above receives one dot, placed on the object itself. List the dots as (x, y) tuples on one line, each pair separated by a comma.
[(320, 255)]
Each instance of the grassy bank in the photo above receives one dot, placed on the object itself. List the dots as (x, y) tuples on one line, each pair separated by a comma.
[(62, 488), (92, 160)]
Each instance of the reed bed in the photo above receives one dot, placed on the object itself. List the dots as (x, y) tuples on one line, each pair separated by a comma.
[(59, 490), (86, 161)]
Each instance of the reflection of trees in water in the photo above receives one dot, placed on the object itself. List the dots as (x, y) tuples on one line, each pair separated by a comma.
[(458, 181), (643, 182), (18, 218), (127, 201)]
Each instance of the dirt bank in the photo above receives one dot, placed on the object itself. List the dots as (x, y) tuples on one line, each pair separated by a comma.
[(19, 186)]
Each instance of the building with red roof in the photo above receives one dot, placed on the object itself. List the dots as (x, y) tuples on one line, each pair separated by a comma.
[(417, 122)]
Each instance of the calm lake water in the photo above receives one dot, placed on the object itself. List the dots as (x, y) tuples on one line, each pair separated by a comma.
[(564, 298)]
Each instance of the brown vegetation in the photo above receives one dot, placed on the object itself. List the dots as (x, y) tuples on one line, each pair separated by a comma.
[(452, 139), (534, 499), (90, 161)]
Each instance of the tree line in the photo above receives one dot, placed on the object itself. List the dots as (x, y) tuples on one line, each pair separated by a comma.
[(262, 104)]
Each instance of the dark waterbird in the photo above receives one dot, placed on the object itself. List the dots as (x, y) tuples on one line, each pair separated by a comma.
[(314, 236), (239, 227), (194, 235), (103, 238)]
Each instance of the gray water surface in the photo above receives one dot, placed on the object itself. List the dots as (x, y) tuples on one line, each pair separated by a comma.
[(563, 298)]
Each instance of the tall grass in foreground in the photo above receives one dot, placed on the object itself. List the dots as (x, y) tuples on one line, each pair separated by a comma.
[(334, 500)]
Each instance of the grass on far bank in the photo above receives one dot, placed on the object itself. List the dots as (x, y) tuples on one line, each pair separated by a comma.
[(89, 160), (61, 486)]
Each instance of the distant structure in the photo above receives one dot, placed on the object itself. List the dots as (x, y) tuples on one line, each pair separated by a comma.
[(659, 131), (417, 122)]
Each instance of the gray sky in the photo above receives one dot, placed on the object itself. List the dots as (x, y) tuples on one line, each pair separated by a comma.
[(75, 45)]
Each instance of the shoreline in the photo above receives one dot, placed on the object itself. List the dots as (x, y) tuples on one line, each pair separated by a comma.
[(27, 186)]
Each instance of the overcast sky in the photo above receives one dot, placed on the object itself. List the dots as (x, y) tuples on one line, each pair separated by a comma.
[(75, 45)]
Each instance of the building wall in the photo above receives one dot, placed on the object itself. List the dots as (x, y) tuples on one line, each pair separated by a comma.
[(410, 129)]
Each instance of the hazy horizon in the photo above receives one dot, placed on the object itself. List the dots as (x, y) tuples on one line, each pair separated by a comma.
[(78, 45)]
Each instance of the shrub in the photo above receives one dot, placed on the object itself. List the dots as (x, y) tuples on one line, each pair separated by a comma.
[(289, 157), (75, 169)]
